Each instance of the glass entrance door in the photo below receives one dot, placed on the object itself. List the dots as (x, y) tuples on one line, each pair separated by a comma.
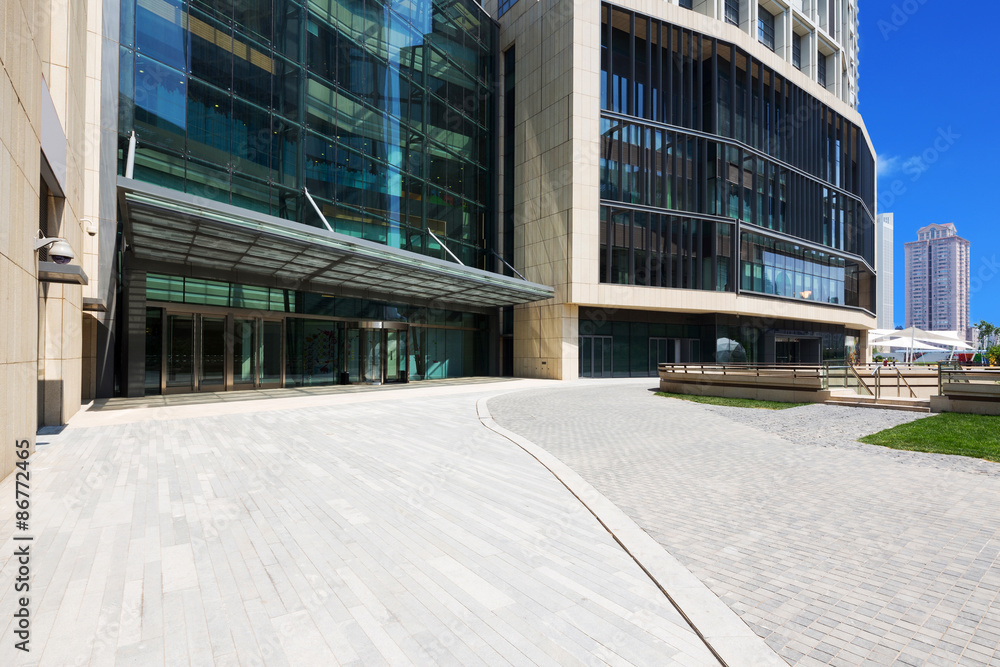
[(179, 353), (209, 352), (377, 352), (395, 355), (212, 354), (786, 351), (371, 368), (270, 353), (662, 351), (352, 354), (595, 356), (244, 353)]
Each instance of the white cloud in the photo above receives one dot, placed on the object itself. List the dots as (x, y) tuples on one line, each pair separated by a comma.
[(887, 166)]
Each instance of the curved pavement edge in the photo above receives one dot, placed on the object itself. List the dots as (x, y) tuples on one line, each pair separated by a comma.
[(726, 635)]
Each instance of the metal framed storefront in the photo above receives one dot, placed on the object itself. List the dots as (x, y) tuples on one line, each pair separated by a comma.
[(190, 348)]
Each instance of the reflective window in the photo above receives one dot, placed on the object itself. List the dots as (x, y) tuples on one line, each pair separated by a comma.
[(160, 104), (397, 104), (159, 30), (209, 116), (639, 248), (733, 11), (210, 57), (765, 27), (775, 156), (504, 6), (780, 268)]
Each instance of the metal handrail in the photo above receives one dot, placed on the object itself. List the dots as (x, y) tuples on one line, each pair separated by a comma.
[(954, 374), (899, 376), (862, 383)]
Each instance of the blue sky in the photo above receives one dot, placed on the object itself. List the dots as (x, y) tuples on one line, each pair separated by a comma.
[(930, 97)]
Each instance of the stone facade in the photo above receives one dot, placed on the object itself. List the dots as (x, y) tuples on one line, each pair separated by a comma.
[(43, 58)]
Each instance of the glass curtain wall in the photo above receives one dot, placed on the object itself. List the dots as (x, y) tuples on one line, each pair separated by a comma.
[(780, 160), (786, 269), (385, 111)]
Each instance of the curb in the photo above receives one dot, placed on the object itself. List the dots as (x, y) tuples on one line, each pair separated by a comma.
[(725, 634)]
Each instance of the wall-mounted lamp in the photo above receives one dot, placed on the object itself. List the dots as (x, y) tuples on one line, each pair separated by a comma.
[(59, 250)]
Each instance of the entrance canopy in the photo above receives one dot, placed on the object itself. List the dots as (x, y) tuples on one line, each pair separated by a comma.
[(165, 228)]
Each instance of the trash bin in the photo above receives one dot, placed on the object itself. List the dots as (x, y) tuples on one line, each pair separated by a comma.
[(345, 378)]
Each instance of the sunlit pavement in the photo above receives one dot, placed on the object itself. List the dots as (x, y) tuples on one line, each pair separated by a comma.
[(835, 552), (353, 527)]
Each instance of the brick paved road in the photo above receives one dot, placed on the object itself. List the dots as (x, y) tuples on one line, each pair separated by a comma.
[(836, 552), (384, 528)]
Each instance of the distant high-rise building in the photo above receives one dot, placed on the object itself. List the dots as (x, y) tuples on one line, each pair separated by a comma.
[(937, 280), (884, 273)]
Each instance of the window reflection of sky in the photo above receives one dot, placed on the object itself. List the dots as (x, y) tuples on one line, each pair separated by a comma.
[(798, 277)]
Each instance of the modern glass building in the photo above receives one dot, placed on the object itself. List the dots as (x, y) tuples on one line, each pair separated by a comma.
[(306, 192), (696, 183)]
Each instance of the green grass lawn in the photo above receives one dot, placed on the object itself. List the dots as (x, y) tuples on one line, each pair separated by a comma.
[(733, 402), (947, 433)]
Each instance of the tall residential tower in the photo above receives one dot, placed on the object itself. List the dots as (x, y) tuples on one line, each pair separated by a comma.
[(937, 280)]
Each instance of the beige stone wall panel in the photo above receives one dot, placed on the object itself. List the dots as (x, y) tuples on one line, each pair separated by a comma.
[(46, 38)]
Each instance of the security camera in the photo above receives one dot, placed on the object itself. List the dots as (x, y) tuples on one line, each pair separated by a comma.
[(90, 227), (59, 250), (61, 253)]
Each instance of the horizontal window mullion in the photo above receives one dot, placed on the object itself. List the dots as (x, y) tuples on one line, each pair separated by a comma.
[(694, 215), (735, 143)]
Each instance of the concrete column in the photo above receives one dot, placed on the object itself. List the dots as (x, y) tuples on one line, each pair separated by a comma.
[(748, 17), (707, 7), (810, 51), (783, 35), (838, 64)]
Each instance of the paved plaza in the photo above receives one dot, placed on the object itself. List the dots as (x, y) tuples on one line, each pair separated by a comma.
[(355, 528), (836, 552), (374, 526)]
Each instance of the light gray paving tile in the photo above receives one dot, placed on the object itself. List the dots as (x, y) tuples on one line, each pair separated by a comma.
[(856, 530), (143, 654), (201, 533), (301, 642)]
